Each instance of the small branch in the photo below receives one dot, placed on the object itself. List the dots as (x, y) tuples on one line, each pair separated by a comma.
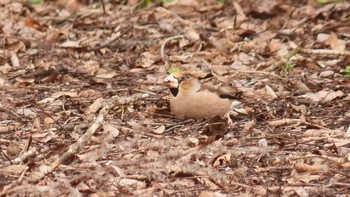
[(3, 153), (76, 147), (103, 6), (164, 43), (282, 61), (324, 52), (31, 153)]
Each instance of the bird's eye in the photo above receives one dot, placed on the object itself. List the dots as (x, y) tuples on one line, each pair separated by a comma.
[(182, 78)]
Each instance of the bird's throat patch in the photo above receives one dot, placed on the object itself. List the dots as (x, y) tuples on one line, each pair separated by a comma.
[(174, 91)]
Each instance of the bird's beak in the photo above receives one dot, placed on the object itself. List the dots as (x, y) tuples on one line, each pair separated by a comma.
[(171, 81), (173, 84)]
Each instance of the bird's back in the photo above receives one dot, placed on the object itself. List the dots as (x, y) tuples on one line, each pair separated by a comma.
[(197, 105)]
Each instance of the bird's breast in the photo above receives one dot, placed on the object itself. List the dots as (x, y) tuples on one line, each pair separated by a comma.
[(199, 105)]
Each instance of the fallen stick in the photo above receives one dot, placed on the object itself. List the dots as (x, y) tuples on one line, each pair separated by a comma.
[(77, 146)]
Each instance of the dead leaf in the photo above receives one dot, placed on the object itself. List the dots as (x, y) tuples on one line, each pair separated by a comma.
[(89, 93), (222, 160), (93, 155), (327, 73), (209, 184), (263, 143), (15, 46), (302, 167), (323, 96), (90, 67), (159, 130), (46, 100), (26, 112), (132, 183), (69, 94), (193, 141), (14, 60), (36, 124), (286, 121), (71, 44), (301, 192), (212, 194), (4, 69), (13, 169), (13, 149), (94, 107), (322, 133), (270, 92), (348, 132), (44, 137), (48, 121), (322, 37), (111, 129), (192, 34), (2, 82), (106, 74), (147, 59), (336, 43)]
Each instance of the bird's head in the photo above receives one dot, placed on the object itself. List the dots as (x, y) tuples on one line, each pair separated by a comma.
[(183, 83), (173, 84)]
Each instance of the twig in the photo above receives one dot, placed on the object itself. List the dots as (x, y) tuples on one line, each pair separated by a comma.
[(164, 43), (204, 174), (32, 152), (77, 146), (5, 155), (12, 186), (103, 6), (282, 61), (178, 124), (324, 52), (284, 121), (71, 126), (29, 142), (25, 153)]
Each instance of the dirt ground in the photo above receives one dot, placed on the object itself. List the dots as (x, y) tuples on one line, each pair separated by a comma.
[(84, 110)]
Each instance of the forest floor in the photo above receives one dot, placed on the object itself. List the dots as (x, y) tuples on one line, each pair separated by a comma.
[(84, 110)]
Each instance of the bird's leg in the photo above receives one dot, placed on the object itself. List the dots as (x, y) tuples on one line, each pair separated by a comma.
[(229, 120)]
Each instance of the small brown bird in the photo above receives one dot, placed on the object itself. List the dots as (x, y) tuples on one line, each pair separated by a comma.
[(189, 100)]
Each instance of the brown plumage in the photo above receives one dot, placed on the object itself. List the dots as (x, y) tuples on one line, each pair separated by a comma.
[(188, 100)]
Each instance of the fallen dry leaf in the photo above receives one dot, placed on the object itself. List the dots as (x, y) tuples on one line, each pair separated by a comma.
[(13, 169), (323, 96)]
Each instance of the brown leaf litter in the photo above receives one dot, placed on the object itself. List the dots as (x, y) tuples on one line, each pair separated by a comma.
[(74, 118)]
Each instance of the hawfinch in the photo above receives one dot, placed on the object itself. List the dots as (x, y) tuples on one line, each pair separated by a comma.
[(188, 100)]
